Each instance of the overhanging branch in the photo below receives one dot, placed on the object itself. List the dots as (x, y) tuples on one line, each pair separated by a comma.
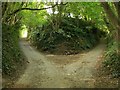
[(18, 10)]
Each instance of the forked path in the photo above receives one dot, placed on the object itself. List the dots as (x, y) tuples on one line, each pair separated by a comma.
[(59, 71)]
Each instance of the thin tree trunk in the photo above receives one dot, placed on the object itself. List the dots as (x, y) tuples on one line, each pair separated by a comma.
[(114, 20), (4, 7)]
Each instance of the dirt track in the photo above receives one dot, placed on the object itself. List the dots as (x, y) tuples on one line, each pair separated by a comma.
[(59, 71)]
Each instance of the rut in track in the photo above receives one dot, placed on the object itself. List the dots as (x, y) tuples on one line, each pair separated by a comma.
[(59, 71)]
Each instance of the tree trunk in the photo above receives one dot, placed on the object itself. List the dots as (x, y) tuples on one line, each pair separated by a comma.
[(4, 7), (114, 20)]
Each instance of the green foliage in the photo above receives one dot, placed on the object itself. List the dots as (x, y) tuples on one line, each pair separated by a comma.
[(91, 11), (82, 34), (11, 55), (112, 58), (78, 37), (79, 33), (35, 18)]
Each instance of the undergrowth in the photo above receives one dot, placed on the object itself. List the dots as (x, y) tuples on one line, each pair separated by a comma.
[(75, 36), (11, 54), (112, 59)]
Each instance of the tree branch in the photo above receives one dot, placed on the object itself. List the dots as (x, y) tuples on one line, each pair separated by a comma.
[(18, 10)]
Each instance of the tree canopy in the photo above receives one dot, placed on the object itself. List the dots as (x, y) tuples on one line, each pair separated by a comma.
[(75, 25)]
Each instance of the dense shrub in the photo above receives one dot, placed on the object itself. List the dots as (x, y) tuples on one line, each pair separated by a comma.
[(11, 56), (112, 59), (76, 36)]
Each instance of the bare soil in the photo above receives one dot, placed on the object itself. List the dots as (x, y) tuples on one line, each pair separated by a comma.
[(59, 71)]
